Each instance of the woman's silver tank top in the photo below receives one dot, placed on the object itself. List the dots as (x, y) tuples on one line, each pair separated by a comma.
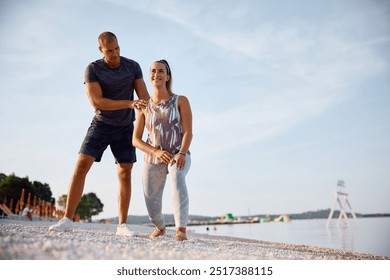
[(163, 124)]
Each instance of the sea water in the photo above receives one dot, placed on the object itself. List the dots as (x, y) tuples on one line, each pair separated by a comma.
[(364, 235)]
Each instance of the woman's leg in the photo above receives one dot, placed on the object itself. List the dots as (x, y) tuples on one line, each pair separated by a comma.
[(154, 178), (180, 194)]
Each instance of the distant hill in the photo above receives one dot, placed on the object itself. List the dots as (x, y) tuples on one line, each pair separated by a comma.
[(323, 214), (319, 214)]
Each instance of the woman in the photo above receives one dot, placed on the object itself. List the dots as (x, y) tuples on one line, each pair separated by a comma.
[(168, 120)]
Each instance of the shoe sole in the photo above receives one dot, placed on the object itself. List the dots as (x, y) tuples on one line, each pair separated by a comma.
[(133, 235), (56, 230)]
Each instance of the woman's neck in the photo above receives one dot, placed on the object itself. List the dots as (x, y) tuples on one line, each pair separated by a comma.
[(161, 95)]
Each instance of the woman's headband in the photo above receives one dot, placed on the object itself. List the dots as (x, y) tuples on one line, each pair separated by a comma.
[(163, 61)]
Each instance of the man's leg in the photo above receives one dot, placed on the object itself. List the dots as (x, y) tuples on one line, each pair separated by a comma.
[(124, 191), (75, 191), (76, 186)]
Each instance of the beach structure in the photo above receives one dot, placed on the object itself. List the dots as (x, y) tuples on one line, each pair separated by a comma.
[(8, 211), (282, 218), (341, 199), (39, 209), (229, 216)]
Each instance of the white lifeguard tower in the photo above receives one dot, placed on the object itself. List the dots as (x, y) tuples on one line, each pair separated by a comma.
[(341, 198)]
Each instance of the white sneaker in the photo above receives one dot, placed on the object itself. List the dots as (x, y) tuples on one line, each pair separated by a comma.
[(123, 230), (65, 224)]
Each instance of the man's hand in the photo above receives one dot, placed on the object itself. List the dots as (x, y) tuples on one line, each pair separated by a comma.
[(138, 104)]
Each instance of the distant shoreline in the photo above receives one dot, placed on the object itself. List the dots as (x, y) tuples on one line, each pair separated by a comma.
[(202, 220)]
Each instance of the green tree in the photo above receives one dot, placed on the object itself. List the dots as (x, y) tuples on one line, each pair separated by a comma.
[(42, 190), (62, 201), (2, 176), (11, 187), (89, 205)]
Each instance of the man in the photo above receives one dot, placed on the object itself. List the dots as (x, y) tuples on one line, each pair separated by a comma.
[(110, 83)]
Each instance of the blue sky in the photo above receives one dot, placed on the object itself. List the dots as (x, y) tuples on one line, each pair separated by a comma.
[(288, 97)]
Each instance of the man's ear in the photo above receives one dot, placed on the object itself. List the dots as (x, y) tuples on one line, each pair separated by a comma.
[(100, 49)]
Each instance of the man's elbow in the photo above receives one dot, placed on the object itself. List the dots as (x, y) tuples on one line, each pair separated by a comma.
[(96, 105)]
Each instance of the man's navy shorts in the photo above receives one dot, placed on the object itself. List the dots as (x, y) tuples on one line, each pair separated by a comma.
[(119, 138)]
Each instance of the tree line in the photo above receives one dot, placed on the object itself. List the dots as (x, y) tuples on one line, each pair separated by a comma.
[(11, 187)]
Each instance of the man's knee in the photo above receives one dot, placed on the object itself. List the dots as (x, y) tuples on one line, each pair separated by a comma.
[(84, 163), (124, 171)]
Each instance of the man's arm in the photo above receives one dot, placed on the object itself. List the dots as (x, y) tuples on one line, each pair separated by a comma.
[(140, 89), (95, 96)]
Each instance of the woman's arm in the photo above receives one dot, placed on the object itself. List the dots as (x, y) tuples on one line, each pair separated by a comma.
[(186, 123), (139, 126), (138, 132)]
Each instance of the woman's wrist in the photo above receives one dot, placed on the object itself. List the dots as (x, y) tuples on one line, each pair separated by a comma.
[(181, 153)]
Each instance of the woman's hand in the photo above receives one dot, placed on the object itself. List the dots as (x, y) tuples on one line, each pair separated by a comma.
[(180, 160), (165, 156)]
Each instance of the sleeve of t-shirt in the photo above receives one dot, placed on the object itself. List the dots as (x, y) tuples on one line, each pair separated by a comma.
[(137, 72), (89, 75)]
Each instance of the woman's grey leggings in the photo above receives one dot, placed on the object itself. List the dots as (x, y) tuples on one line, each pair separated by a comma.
[(154, 177)]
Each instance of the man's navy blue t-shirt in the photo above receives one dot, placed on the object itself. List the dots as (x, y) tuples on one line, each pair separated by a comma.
[(116, 84)]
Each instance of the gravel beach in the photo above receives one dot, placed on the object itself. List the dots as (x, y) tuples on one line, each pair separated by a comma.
[(25, 240)]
